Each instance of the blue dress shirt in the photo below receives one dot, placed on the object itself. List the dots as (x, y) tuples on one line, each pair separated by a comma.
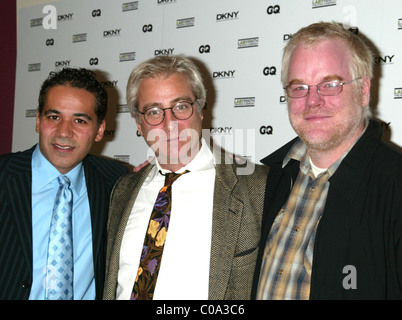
[(44, 189)]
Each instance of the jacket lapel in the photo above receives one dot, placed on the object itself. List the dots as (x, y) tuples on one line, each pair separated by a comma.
[(119, 213), (134, 184), (227, 213), (97, 191), (17, 215)]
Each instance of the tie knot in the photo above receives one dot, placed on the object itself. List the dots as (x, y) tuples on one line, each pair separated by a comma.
[(172, 177), (64, 181)]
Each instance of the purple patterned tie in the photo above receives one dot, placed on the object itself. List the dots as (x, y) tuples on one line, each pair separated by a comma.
[(155, 237)]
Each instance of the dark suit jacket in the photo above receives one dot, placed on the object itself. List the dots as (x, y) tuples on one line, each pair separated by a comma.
[(237, 211), (16, 219)]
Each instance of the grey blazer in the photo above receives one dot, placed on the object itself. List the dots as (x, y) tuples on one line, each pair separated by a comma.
[(236, 225)]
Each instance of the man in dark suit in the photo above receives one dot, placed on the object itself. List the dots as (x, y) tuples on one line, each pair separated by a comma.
[(211, 246), (70, 118)]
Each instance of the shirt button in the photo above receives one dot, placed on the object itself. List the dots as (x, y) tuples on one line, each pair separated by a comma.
[(281, 271), (296, 229)]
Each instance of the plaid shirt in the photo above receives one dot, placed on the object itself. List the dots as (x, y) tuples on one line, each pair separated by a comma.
[(288, 255)]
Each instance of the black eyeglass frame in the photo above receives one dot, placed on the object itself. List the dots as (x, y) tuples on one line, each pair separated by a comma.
[(171, 108)]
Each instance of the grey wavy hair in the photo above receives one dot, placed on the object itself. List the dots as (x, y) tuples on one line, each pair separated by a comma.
[(164, 66)]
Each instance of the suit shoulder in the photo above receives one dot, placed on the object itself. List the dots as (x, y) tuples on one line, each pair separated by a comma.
[(16, 156), (390, 152), (133, 178), (387, 162), (252, 171), (15, 163), (261, 170), (106, 167)]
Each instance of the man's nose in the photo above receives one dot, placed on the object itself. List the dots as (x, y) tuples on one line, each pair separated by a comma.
[(64, 129), (314, 99), (170, 122)]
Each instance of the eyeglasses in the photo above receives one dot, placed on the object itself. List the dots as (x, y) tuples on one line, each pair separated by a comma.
[(182, 110), (326, 88)]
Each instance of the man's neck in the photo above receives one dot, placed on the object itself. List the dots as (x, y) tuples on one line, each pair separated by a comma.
[(324, 159), (174, 165)]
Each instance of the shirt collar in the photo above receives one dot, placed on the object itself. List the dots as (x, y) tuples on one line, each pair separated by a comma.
[(204, 160), (44, 173), (299, 152)]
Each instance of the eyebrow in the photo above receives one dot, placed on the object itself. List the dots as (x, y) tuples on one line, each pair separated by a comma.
[(332, 77), (173, 102), (80, 115)]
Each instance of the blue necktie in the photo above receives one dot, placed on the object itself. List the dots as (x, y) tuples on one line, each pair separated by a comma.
[(59, 278)]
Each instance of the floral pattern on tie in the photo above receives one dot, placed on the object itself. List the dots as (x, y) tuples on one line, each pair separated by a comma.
[(155, 238)]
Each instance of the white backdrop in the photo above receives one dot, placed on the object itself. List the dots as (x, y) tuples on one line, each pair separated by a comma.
[(237, 44)]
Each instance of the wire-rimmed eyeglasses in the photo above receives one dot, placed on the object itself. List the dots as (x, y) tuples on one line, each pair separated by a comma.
[(326, 88), (182, 110)]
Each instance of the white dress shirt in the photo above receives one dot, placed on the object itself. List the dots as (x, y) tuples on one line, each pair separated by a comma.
[(184, 272)]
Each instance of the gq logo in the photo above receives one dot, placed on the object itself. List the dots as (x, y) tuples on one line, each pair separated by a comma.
[(266, 130), (96, 13), (49, 42), (147, 28), (204, 49), (273, 9), (269, 71), (93, 61)]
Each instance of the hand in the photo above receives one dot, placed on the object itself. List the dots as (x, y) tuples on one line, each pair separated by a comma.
[(139, 167), (239, 159)]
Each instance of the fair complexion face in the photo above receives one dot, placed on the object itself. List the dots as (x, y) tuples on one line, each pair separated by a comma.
[(68, 127), (327, 124), (175, 142)]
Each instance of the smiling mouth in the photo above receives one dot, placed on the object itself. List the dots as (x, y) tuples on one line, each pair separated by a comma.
[(172, 139), (59, 146), (315, 117)]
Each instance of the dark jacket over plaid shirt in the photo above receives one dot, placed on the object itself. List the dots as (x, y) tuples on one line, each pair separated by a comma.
[(361, 225)]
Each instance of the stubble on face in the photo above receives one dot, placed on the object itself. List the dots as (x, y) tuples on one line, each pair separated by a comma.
[(325, 123), (339, 134)]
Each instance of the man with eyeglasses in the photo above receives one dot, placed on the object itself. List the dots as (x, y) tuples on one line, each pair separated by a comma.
[(332, 226), (213, 232)]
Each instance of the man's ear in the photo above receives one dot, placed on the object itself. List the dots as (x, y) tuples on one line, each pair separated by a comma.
[(139, 128), (101, 131), (365, 91), (37, 122)]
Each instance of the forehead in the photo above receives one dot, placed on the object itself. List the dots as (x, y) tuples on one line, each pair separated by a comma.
[(164, 89), (70, 98), (322, 60)]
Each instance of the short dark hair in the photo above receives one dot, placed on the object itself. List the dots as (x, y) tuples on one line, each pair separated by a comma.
[(76, 78)]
